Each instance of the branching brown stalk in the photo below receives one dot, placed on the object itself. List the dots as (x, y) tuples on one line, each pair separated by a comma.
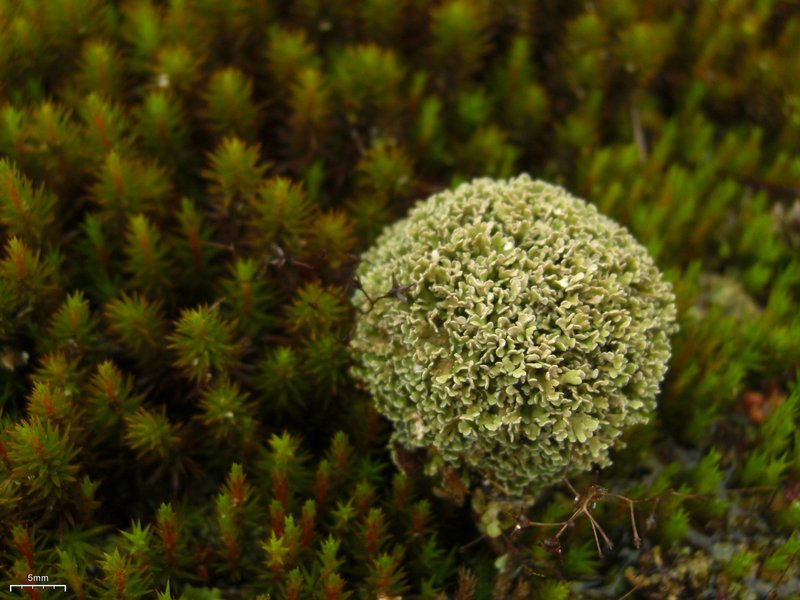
[(281, 258), (585, 503), (397, 291)]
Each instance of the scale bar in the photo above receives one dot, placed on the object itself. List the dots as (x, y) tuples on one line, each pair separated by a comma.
[(33, 585)]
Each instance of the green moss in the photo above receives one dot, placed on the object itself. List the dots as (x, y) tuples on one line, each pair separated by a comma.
[(184, 188)]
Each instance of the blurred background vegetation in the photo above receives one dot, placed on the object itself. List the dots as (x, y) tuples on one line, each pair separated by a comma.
[(185, 186)]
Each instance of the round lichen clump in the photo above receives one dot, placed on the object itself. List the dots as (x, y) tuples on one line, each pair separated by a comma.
[(534, 332)]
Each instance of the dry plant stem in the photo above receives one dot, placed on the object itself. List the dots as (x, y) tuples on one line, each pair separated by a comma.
[(282, 259), (637, 540), (357, 141), (351, 280), (585, 503), (638, 133), (773, 592), (469, 545), (227, 247), (630, 592), (397, 291)]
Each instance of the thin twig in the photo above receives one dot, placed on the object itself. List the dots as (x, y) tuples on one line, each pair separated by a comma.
[(631, 591), (638, 133), (585, 502), (774, 588)]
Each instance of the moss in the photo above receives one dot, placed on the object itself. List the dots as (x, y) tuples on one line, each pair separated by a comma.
[(185, 187)]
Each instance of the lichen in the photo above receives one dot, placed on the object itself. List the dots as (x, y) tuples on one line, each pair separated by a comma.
[(536, 330)]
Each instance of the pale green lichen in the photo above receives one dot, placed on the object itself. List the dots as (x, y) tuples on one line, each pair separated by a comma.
[(535, 332)]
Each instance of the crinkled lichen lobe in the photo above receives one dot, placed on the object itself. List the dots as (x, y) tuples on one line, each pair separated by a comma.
[(536, 330)]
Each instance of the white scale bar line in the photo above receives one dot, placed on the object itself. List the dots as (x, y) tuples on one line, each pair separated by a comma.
[(41, 585)]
